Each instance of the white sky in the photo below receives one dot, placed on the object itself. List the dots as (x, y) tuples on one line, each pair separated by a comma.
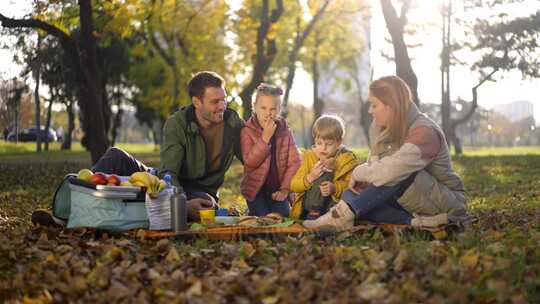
[(426, 63)]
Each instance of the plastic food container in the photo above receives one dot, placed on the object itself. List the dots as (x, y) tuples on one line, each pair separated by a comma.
[(226, 220), (207, 216)]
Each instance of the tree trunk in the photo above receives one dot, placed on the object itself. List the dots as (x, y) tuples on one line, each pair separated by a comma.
[(66, 140), (48, 123), (293, 55), (176, 90), (117, 123), (454, 123), (305, 141), (365, 121), (265, 53), (157, 132), (318, 104), (170, 60), (37, 76), (456, 141), (106, 108), (93, 123), (16, 91), (450, 125), (90, 98), (395, 26)]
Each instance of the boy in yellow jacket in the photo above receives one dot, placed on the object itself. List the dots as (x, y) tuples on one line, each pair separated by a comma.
[(325, 170)]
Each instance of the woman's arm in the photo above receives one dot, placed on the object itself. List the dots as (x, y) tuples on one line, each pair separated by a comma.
[(420, 148)]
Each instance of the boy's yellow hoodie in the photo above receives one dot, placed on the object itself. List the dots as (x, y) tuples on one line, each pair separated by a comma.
[(346, 161)]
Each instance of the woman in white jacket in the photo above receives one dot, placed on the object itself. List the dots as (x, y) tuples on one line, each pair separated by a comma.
[(408, 178)]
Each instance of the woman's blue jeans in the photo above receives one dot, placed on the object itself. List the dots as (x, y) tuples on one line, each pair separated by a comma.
[(379, 204), (264, 204)]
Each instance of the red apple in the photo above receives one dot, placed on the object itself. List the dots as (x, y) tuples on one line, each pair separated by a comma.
[(113, 180), (98, 178)]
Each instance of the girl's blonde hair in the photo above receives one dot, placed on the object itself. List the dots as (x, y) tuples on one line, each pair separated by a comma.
[(395, 93), (329, 127), (267, 90)]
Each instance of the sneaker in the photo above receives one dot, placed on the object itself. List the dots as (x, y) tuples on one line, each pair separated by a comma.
[(339, 217), (45, 218), (430, 221)]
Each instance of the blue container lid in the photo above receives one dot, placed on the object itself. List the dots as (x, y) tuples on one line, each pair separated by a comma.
[(222, 212)]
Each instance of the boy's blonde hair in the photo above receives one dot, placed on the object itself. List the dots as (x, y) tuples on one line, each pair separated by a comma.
[(328, 127)]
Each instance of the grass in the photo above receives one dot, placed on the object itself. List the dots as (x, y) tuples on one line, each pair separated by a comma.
[(26, 152), (496, 260)]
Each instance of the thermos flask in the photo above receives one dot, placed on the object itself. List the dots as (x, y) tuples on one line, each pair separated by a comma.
[(178, 211)]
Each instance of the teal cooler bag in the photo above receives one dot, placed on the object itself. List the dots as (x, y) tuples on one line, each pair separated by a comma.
[(113, 208)]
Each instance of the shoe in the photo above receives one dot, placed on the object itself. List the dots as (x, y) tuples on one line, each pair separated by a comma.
[(339, 217), (45, 218), (430, 221)]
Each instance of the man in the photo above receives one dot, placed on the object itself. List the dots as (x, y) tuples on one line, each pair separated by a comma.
[(200, 142)]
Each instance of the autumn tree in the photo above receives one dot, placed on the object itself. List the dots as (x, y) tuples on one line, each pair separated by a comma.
[(503, 44), (255, 29), (396, 27), (333, 51), (11, 93), (317, 9), (188, 36), (83, 52)]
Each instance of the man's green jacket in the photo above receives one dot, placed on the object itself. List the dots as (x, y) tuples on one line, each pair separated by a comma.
[(183, 152)]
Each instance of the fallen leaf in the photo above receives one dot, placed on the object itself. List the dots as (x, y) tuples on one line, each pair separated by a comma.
[(118, 291), (79, 284), (372, 292), (162, 245), (248, 250), (195, 289), (270, 300), (172, 256), (469, 259), (401, 260)]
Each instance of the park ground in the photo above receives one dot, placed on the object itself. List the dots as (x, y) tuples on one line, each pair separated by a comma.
[(496, 260)]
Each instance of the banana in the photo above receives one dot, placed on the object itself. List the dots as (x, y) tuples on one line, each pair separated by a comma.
[(162, 185), (126, 183), (154, 181), (139, 184), (141, 178)]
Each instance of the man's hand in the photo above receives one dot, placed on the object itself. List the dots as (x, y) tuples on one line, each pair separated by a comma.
[(196, 204), (268, 130), (280, 195), (327, 188)]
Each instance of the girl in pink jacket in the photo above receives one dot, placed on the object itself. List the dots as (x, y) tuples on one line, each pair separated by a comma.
[(270, 155)]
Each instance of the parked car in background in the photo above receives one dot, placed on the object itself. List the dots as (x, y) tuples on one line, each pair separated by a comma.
[(30, 134)]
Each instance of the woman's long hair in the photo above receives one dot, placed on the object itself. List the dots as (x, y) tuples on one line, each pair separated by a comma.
[(395, 93)]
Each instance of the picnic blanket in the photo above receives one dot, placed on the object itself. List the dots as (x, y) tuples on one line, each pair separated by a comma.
[(236, 233)]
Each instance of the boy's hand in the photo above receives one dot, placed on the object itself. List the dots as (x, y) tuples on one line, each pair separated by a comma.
[(268, 130), (316, 172), (329, 164), (327, 188), (280, 195)]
